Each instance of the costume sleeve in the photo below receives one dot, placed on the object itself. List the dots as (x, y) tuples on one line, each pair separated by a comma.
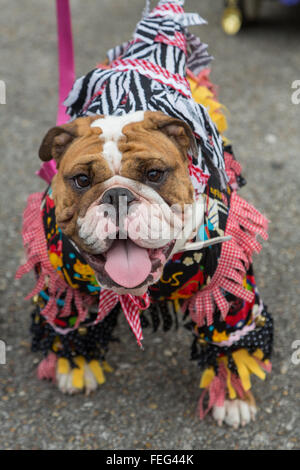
[(230, 351)]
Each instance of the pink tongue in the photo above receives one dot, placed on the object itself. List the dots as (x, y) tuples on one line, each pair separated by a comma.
[(127, 264)]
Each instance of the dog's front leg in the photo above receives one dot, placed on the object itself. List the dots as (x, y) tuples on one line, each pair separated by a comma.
[(75, 361), (230, 351)]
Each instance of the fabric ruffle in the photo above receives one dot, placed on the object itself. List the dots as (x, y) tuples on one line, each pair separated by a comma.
[(226, 384), (243, 225), (47, 277), (47, 367), (38, 260)]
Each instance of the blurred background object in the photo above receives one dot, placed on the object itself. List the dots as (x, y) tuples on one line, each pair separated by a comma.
[(239, 12)]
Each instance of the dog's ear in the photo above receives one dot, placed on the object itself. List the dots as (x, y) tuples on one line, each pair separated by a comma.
[(58, 138), (179, 131)]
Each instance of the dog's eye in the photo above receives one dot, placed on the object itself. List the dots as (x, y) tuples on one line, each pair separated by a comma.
[(155, 176), (82, 181)]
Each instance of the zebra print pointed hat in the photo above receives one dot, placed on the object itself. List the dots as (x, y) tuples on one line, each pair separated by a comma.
[(149, 73)]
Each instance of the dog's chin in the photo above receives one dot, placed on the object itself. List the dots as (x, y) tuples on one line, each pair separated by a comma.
[(127, 268)]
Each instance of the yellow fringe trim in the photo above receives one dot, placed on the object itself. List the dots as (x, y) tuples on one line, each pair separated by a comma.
[(246, 365), (97, 371), (63, 366), (78, 373), (204, 96), (78, 381), (107, 367)]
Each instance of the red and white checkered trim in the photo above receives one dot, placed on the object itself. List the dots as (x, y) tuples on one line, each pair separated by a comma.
[(155, 72), (37, 256), (131, 306), (233, 169), (244, 224), (178, 41), (217, 390), (166, 9)]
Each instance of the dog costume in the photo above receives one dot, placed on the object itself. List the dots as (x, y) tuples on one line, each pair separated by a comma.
[(164, 68)]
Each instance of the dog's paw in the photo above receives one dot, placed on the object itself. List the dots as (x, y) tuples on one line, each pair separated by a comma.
[(235, 413), (85, 377)]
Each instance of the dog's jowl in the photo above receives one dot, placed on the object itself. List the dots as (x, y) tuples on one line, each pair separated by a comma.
[(143, 219)]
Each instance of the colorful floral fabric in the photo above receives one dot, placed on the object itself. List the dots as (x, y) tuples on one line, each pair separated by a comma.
[(63, 256), (184, 274)]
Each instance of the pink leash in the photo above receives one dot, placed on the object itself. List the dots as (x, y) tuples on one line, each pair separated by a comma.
[(66, 74)]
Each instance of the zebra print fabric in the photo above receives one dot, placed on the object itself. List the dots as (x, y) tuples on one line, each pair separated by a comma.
[(149, 73)]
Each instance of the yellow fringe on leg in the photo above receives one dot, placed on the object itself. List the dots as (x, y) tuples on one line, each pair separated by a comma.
[(227, 384), (78, 380)]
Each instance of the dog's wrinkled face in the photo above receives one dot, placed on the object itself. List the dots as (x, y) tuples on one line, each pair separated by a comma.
[(120, 190)]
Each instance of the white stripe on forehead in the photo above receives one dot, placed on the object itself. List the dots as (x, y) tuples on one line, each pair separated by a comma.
[(112, 127)]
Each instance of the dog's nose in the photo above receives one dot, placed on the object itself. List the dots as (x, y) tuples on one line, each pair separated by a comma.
[(115, 196), (119, 198)]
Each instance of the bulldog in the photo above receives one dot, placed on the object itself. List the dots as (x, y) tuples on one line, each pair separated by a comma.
[(123, 194), (143, 217)]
